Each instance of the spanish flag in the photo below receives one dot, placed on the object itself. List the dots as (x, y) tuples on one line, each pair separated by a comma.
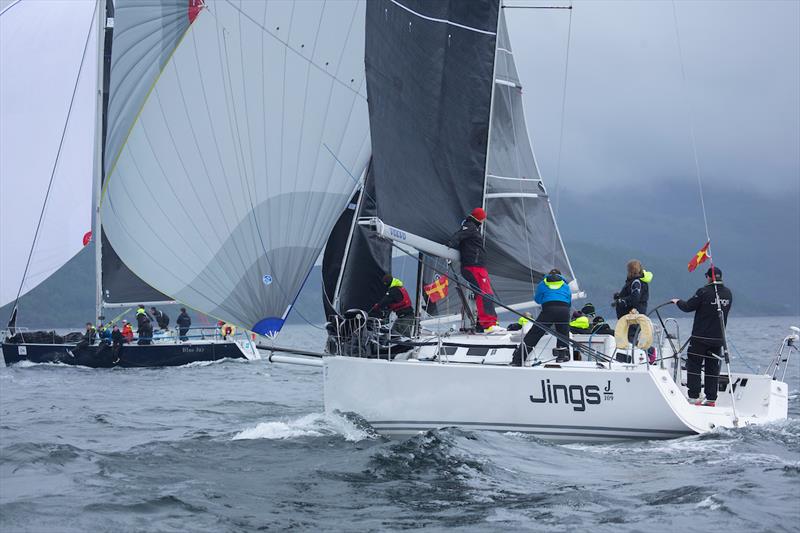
[(699, 257), (438, 289)]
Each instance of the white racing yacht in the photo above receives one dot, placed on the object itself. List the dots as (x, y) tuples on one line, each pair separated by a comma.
[(448, 133)]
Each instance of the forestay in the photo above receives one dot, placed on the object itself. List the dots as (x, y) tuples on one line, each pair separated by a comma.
[(235, 146), (49, 73)]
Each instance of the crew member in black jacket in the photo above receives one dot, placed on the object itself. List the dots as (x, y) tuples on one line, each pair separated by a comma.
[(707, 335), (117, 340), (634, 295), (144, 326), (161, 318), (469, 242), (184, 322), (397, 299)]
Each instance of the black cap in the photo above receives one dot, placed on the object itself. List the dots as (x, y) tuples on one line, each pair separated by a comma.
[(717, 273), (387, 279), (588, 309)]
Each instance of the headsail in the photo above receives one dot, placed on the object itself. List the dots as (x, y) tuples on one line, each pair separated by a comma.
[(237, 151), (522, 240), (49, 74), (368, 257)]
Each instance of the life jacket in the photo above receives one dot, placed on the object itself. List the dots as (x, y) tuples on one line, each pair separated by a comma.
[(555, 290), (582, 322), (405, 303)]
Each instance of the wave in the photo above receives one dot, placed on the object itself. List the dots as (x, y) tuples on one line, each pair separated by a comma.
[(153, 505), (197, 364), (25, 454), (312, 425), (30, 364)]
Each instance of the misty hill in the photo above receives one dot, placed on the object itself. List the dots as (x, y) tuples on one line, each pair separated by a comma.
[(755, 240)]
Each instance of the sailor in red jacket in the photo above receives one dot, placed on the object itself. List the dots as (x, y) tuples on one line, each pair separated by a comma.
[(469, 241), (396, 299)]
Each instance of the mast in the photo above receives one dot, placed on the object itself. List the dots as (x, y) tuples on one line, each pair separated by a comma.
[(100, 16), (491, 112)]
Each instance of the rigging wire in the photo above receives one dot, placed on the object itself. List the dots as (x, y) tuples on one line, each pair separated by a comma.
[(725, 350), (9, 6), (691, 122), (561, 129), (58, 157)]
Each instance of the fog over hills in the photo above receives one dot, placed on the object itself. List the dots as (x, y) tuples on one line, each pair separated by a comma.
[(755, 240)]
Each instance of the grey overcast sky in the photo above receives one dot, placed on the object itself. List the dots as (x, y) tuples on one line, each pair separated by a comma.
[(627, 110)]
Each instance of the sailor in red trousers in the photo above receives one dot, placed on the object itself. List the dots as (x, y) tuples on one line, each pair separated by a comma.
[(469, 241)]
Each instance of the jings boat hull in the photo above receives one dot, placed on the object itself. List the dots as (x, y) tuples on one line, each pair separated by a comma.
[(569, 402), (130, 355)]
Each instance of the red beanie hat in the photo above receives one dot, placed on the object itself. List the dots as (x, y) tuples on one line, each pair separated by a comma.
[(478, 214)]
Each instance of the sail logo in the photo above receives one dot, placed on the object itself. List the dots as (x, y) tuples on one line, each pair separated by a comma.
[(579, 396), (398, 234), (267, 279)]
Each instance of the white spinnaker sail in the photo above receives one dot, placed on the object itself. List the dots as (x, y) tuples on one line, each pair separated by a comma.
[(48, 50), (241, 156)]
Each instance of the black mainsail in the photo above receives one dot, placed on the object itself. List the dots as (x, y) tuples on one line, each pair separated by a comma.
[(449, 134)]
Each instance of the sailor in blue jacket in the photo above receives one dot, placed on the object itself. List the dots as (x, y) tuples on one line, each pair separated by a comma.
[(554, 295)]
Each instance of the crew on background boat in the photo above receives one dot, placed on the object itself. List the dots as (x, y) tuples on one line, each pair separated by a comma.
[(396, 299), (469, 242), (554, 295), (127, 331), (117, 340), (161, 318), (104, 331), (226, 329), (707, 338), (589, 311), (144, 327), (184, 322), (89, 337)]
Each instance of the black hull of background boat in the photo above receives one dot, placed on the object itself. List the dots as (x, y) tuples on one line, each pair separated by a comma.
[(130, 356)]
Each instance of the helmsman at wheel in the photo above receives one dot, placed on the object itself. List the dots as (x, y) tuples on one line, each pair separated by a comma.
[(469, 242), (707, 335)]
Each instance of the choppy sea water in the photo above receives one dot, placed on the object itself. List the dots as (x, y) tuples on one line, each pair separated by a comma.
[(237, 446)]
